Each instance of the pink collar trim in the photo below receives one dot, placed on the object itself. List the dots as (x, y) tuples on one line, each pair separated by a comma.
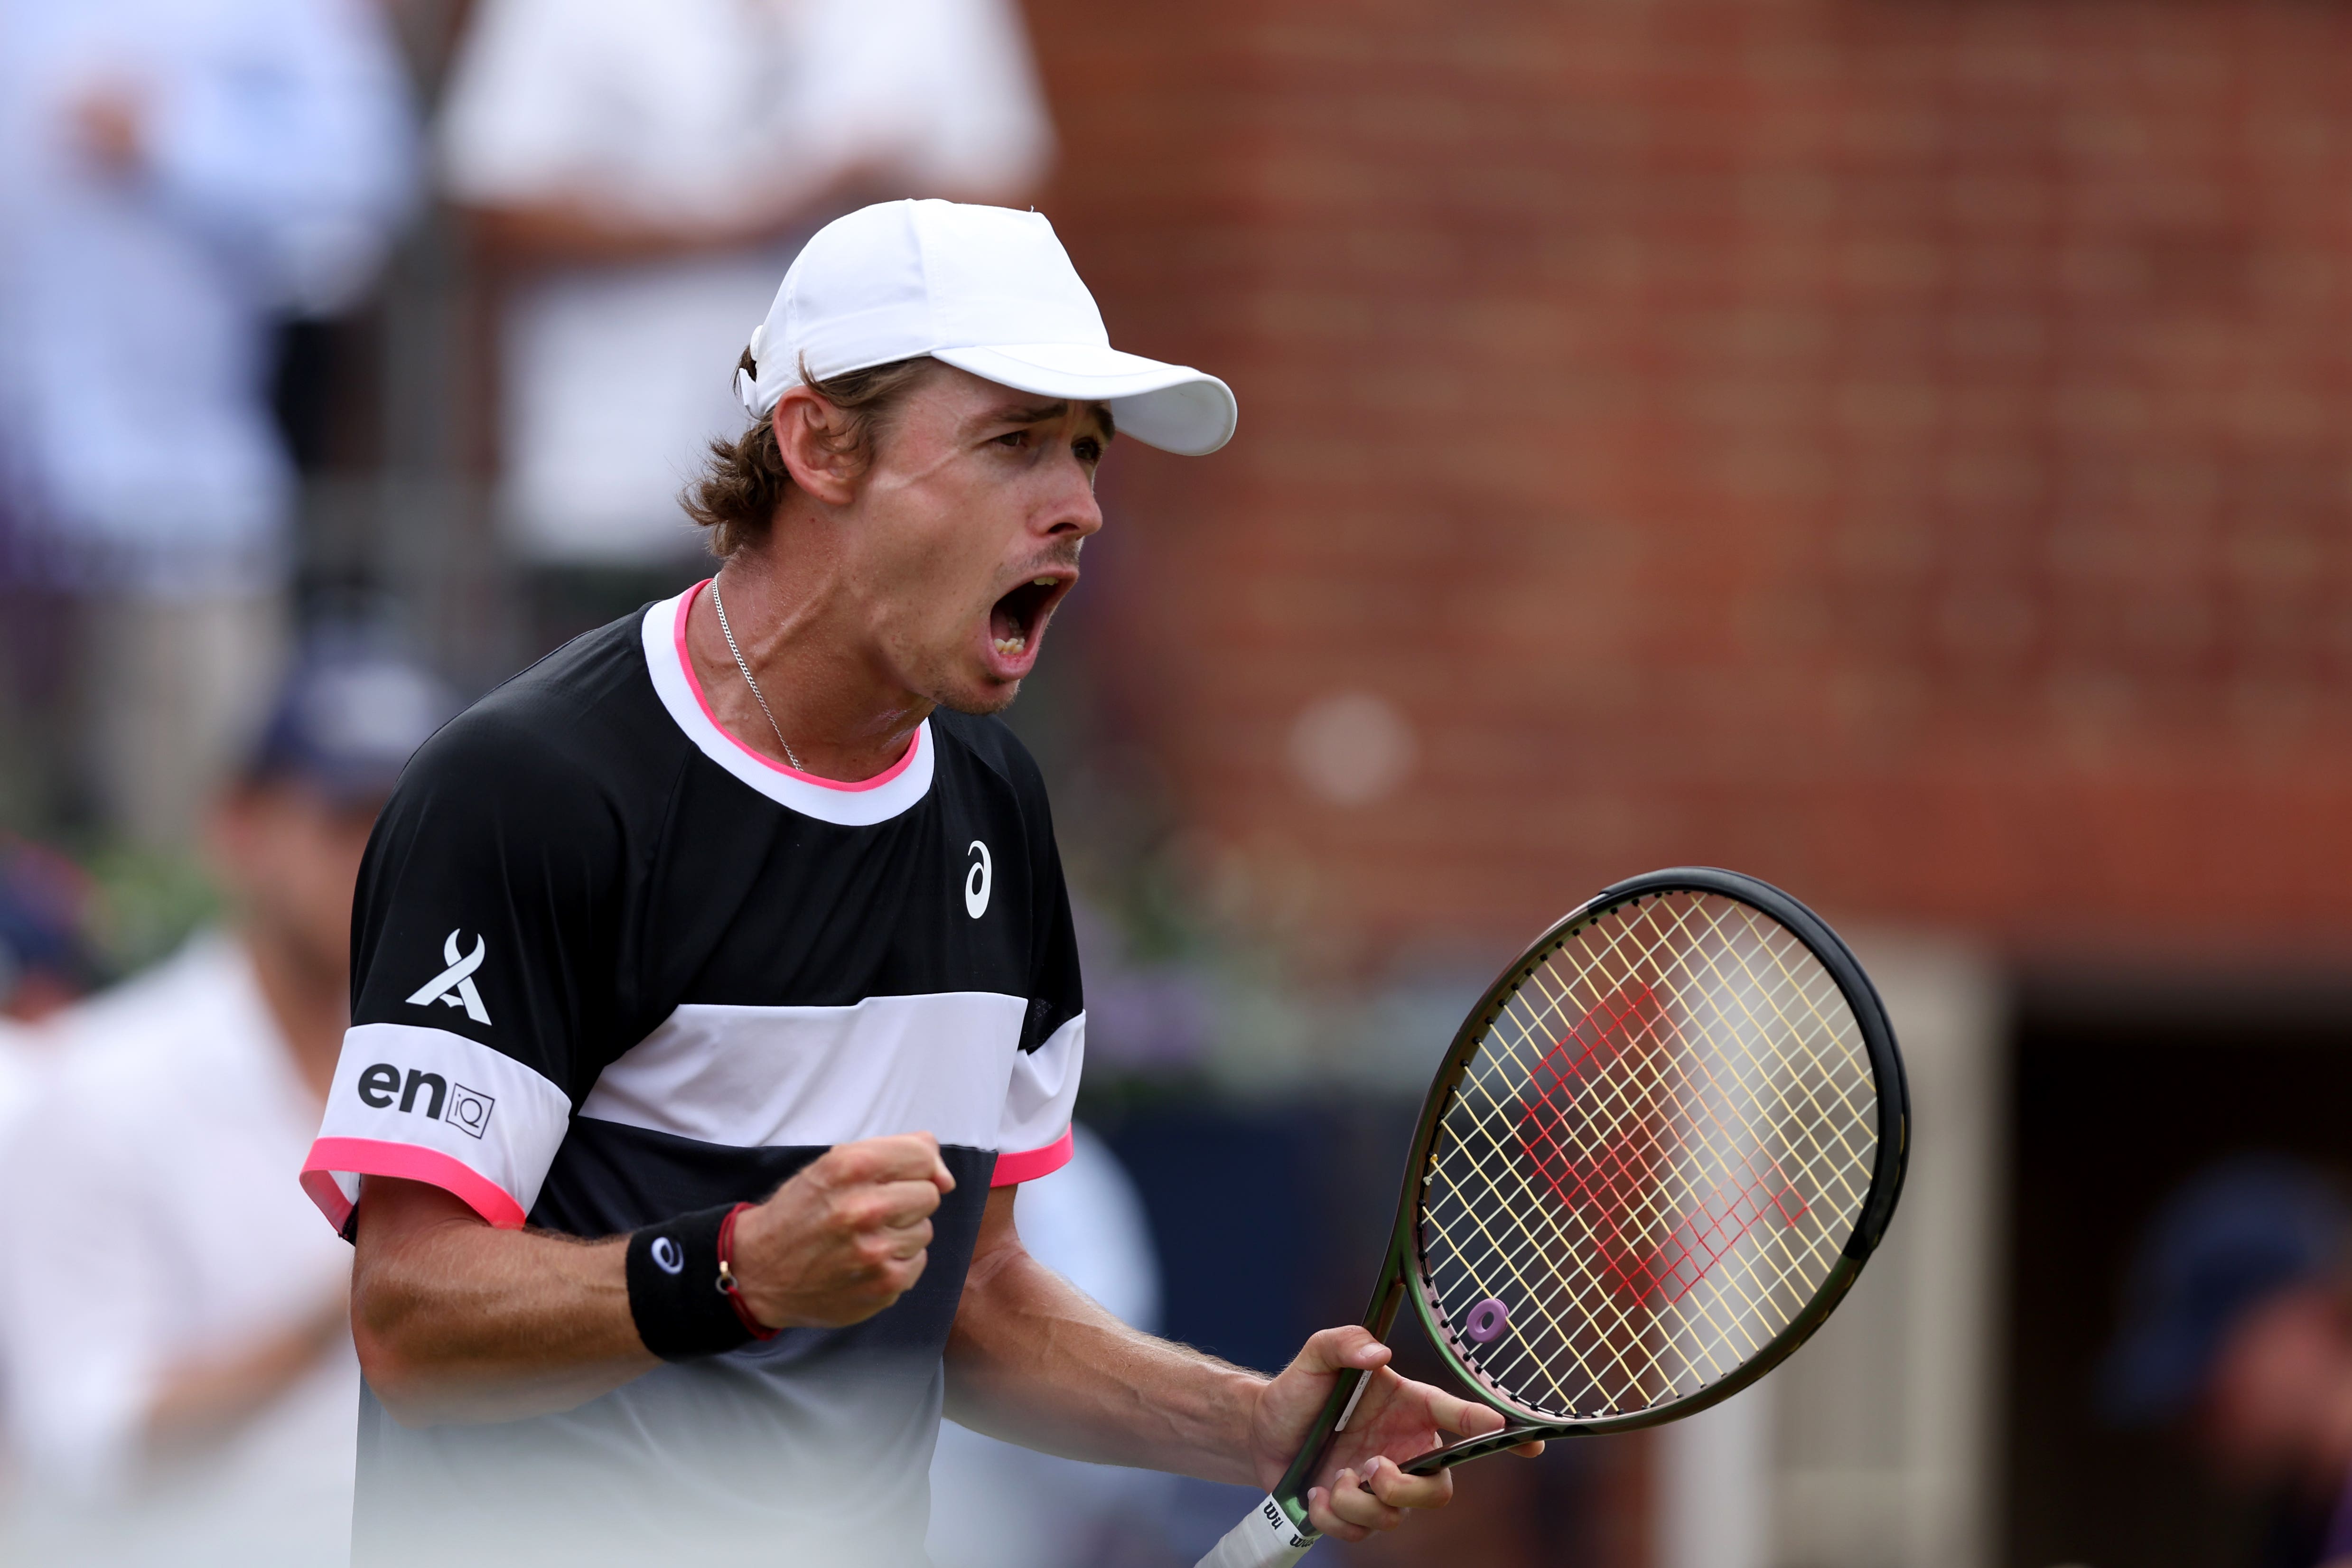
[(861, 804), (694, 684)]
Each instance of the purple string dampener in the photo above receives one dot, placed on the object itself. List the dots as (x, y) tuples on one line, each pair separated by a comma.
[(1487, 1321)]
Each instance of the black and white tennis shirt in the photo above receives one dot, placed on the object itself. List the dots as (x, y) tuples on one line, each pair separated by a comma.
[(610, 965)]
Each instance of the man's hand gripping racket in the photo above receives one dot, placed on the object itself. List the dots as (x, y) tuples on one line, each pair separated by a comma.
[(1656, 1156)]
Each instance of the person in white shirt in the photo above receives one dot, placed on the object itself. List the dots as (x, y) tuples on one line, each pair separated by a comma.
[(21, 1061), (45, 963), (174, 176), (174, 1333), (642, 171)]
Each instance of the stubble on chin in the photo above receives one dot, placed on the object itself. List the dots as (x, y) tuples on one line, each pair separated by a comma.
[(968, 688), (992, 699)]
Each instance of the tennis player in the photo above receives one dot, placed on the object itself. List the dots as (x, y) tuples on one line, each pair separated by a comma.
[(715, 989)]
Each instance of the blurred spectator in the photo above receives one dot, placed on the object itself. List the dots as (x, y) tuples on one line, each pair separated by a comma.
[(45, 963), (21, 1059), (19, 1063), (174, 177), (995, 1505), (173, 1332), (45, 955), (645, 169), (2238, 1321)]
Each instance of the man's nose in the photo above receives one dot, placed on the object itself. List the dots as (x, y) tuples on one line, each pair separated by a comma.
[(1075, 512)]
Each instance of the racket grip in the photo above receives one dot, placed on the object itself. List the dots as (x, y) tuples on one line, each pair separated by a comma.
[(1266, 1538)]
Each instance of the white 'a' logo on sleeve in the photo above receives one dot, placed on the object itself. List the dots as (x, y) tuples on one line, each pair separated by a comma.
[(453, 987), (975, 882)]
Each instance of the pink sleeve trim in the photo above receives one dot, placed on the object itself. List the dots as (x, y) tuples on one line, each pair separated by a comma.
[(1031, 1163), (373, 1157)]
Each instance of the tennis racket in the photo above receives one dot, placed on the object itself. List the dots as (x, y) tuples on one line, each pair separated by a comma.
[(1657, 1155)]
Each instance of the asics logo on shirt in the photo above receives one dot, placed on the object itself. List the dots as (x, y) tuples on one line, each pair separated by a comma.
[(468, 1109), (453, 987), (975, 883)]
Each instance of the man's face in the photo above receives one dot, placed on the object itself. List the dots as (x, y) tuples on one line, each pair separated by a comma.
[(290, 859), (965, 531), (2273, 1409)]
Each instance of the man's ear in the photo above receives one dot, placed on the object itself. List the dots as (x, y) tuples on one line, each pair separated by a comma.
[(815, 447)]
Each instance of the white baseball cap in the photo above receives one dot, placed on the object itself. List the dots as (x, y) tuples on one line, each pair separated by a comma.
[(987, 289)]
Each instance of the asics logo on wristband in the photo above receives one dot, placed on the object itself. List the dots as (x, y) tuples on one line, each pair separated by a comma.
[(666, 1256), (453, 987)]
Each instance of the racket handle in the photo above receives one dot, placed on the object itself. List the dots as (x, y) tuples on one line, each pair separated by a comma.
[(1270, 1537), (1266, 1538)]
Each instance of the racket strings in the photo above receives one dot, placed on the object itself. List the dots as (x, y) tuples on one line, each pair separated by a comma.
[(1669, 1246), (1652, 1161), (1665, 1264)]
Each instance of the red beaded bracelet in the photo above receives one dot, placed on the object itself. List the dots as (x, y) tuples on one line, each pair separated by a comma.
[(727, 1286)]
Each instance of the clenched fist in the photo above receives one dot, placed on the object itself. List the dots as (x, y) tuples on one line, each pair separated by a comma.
[(845, 1237)]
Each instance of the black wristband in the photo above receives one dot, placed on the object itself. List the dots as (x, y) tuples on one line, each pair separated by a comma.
[(676, 1293)]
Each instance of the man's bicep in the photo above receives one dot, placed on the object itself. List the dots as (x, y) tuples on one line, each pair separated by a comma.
[(998, 1233), (395, 1213), (997, 1249)]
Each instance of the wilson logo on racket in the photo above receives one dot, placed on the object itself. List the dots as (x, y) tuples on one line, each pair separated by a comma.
[(1652, 1238)]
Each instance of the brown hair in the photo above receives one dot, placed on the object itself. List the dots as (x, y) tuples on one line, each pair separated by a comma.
[(738, 493)]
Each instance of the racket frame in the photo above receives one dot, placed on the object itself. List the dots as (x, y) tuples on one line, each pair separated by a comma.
[(1402, 1277)]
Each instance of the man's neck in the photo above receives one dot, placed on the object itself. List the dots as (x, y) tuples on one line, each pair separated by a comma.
[(841, 717), (310, 1001)]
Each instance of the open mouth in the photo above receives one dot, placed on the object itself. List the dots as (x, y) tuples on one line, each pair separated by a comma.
[(1016, 621)]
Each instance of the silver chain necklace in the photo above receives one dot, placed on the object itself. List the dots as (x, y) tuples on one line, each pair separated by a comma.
[(759, 697)]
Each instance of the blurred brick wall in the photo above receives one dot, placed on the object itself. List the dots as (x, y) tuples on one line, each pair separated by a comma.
[(1901, 449)]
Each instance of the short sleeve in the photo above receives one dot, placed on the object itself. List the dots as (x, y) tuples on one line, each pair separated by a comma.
[(479, 955), (1034, 1137)]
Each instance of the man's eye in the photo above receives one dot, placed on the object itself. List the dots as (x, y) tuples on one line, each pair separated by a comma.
[(1014, 438), (1088, 449)]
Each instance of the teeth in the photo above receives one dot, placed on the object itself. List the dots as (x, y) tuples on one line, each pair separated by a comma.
[(1009, 645), (1042, 583)]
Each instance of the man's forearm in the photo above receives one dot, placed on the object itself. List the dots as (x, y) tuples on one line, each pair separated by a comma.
[(1034, 1361), (455, 1321)]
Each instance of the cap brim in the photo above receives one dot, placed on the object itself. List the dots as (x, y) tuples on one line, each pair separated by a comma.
[(1172, 406)]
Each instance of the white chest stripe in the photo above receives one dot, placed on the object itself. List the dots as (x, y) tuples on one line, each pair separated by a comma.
[(764, 1077)]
